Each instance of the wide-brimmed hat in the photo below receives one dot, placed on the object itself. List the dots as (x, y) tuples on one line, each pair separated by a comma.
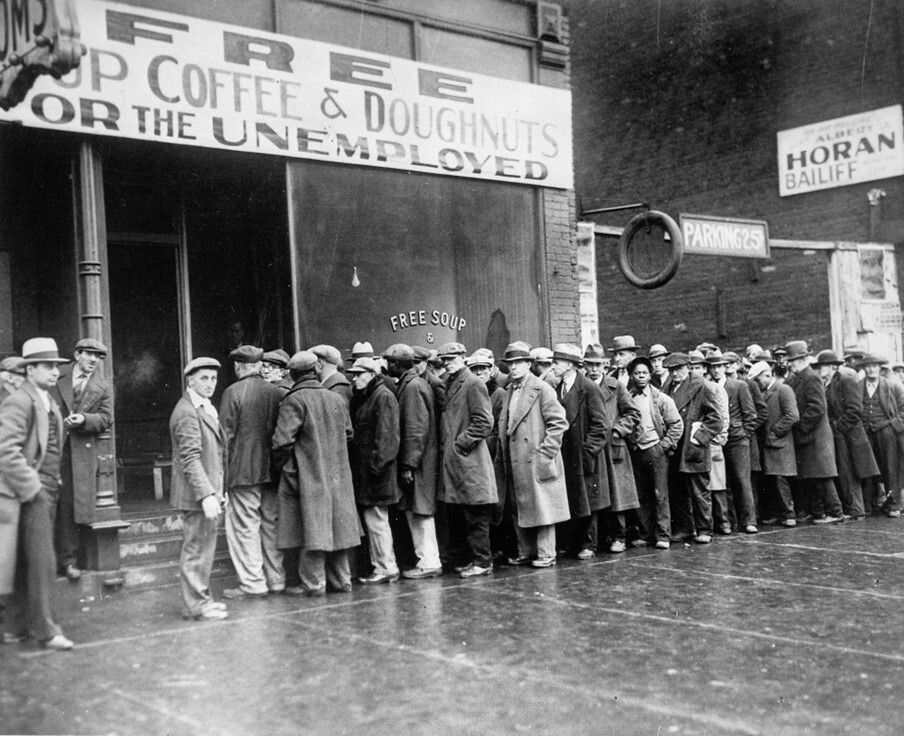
[(827, 357), (731, 357), (200, 363), (639, 360), (363, 350), (90, 345), (517, 351), (41, 350), (872, 359), (715, 358), (676, 360), (365, 365), (796, 349), (594, 353), (567, 351), (623, 342), (695, 357), (658, 351)]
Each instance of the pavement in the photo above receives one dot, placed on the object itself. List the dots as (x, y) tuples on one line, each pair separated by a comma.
[(790, 631)]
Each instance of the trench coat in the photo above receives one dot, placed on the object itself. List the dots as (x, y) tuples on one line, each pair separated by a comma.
[(310, 447), (778, 440), (248, 412), (468, 476), (24, 430), (96, 403), (618, 489), (419, 446), (698, 410), (375, 446), (844, 403), (528, 455), (814, 444), (199, 456), (582, 447)]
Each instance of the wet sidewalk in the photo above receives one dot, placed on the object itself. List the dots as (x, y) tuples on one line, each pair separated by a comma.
[(791, 631)]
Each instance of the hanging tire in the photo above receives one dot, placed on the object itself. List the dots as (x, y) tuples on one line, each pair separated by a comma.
[(676, 242)]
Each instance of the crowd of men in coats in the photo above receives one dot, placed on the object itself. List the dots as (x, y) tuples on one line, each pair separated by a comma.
[(446, 460)]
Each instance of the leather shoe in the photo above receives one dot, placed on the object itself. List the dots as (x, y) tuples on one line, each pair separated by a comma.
[(58, 643), (377, 578), (789, 522), (517, 561), (419, 573), (543, 562), (210, 613), (476, 571), (462, 568), (237, 594), (750, 529), (586, 554), (294, 590), (828, 520), (72, 573)]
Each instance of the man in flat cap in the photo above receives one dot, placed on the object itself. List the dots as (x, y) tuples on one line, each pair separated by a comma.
[(468, 476), (418, 459), (316, 497), (199, 467), (422, 358), (275, 369), (624, 350), (542, 363), (883, 418), (375, 447), (248, 411), (327, 369), (31, 450), (86, 400), (12, 375)]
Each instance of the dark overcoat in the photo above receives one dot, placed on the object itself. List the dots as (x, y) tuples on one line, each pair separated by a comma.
[(199, 456), (778, 440), (87, 460), (742, 416), (586, 476), (528, 455), (618, 489), (468, 477), (418, 443), (699, 411), (24, 430), (844, 404), (375, 446), (339, 384), (762, 413), (814, 444), (248, 412), (316, 496)]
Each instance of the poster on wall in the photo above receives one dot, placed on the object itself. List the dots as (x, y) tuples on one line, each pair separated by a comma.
[(158, 76)]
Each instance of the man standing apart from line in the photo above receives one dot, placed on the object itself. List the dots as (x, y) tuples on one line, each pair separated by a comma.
[(248, 417), (199, 462), (883, 419), (468, 477), (531, 425), (31, 445)]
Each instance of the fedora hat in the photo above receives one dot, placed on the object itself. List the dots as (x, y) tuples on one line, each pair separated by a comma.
[(623, 342), (658, 351), (567, 351), (594, 353), (827, 357), (695, 357), (715, 358), (41, 350), (517, 351), (796, 349), (363, 350)]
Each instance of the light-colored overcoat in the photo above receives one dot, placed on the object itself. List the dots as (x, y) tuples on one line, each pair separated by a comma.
[(778, 440), (814, 445), (528, 454), (199, 456), (419, 445)]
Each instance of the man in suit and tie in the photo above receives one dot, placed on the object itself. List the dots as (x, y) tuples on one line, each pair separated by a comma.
[(199, 459), (31, 449), (624, 350), (86, 401)]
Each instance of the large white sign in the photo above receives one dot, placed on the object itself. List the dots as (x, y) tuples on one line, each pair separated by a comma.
[(157, 76), (843, 151)]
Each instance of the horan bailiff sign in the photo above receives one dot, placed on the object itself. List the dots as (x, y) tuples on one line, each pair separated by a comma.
[(724, 236), (836, 153)]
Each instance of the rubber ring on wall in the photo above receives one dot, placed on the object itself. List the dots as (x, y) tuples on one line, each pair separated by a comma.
[(653, 217)]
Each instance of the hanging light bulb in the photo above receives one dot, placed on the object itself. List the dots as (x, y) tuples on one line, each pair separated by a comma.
[(356, 282)]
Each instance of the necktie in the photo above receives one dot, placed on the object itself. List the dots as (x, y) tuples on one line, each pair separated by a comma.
[(79, 385)]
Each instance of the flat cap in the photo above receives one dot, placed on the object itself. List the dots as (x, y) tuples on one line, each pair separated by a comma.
[(247, 354), (364, 365), (399, 351), (363, 350), (303, 361), (676, 360), (13, 364), (594, 353), (540, 355), (421, 353), (328, 353), (451, 348), (758, 368), (872, 359), (199, 363), (277, 357), (90, 345), (478, 358), (567, 351), (658, 351), (519, 350)]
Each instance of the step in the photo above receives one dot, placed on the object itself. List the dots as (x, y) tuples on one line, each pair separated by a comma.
[(155, 536)]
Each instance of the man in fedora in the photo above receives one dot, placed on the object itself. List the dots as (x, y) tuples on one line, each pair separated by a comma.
[(814, 445), (853, 453), (883, 418), (86, 401), (657, 354), (31, 452), (198, 475), (529, 460), (12, 375), (595, 363), (624, 350)]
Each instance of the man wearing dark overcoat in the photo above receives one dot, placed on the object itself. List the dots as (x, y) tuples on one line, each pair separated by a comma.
[(528, 457), (814, 445), (779, 463), (317, 510), (733, 369), (86, 400), (853, 454), (248, 411), (327, 369), (375, 447), (418, 459), (31, 447), (468, 476), (582, 447), (689, 495), (883, 418), (198, 476)]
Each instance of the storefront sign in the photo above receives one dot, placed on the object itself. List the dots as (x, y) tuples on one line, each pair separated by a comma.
[(843, 151), (725, 236), (420, 317), (587, 291), (36, 37), (157, 76)]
